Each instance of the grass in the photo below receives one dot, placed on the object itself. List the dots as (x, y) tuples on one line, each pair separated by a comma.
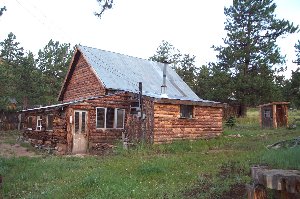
[(184, 169)]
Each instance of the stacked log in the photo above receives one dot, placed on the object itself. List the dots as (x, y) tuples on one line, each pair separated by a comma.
[(205, 123)]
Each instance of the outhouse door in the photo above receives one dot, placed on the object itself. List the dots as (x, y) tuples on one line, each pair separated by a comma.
[(80, 136), (267, 117)]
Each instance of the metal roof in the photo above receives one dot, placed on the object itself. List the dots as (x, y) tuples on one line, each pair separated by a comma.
[(66, 103), (122, 72)]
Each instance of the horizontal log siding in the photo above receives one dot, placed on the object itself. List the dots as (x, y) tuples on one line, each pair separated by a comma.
[(207, 122), (56, 138), (138, 129), (83, 83), (103, 136)]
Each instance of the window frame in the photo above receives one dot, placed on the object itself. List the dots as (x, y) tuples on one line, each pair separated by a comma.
[(104, 122), (39, 119), (183, 107), (47, 122), (115, 119), (267, 114), (29, 121)]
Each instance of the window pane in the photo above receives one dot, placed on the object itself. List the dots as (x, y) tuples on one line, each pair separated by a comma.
[(186, 111), (83, 122), (120, 118), (110, 115), (50, 122), (39, 123), (76, 122), (29, 125), (100, 117)]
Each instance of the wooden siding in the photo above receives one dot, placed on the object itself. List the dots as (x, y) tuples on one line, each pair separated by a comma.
[(99, 138), (141, 129), (82, 83), (206, 123), (51, 139)]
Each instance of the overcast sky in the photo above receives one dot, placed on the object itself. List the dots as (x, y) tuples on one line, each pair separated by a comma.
[(132, 27)]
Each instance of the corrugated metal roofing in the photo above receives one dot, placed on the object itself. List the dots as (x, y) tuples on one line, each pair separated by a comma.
[(123, 72), (66, 103)]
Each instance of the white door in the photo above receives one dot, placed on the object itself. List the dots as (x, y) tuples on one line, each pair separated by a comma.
[(80, 130)]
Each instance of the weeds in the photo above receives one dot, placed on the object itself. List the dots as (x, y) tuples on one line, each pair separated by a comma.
[(214, 168)]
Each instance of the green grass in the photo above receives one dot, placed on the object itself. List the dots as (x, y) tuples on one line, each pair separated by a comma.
[(184, 169)]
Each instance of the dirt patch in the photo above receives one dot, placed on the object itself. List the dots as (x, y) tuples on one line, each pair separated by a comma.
[(10, 147), (237, 191), (202, 186), (14, 150)]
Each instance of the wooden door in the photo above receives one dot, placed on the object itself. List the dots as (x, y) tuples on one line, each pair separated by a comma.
[(267, 117), (281, 116), (80, 135)]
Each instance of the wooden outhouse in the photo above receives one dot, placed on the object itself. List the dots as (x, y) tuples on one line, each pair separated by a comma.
[(273, 115), (108, 97)]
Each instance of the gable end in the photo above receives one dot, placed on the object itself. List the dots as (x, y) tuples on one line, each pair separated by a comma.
[(81, 81)]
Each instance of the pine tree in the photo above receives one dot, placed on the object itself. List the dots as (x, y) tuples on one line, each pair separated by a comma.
[(2, 10), (166, 52), (184, 65), (18, 74), (104, 5), (53, 61), (187, 70), (250, 53), (297, 49)]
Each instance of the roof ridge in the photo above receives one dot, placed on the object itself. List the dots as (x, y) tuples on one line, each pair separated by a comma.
[(109, 51)]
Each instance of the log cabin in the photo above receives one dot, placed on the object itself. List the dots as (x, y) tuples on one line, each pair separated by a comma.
[(109, 97)]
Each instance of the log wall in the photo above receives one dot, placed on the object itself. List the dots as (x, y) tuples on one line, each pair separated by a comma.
[(141, 128), (82, 83), (160, 124), (9, 121), (168, 126), (52, 139), (98, 139)]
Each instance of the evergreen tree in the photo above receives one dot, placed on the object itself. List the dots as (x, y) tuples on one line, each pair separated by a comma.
[(187, 70), (28, 82), (184, 65), (293, 88), (213, 84), (18, 74), (250, 52), (10, 59), (104, 5), (53, 62), (2, 10), (10, 51), (166, 53), (297, 49)]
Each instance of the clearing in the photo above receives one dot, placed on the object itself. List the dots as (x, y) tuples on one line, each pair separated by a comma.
[(215, 168), (10, 147)]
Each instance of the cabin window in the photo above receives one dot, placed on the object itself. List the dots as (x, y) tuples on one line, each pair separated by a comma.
[(83, 116), (110, 115), (267, 113), (76, 122), (100, 117), (110, 118), (186, 111), (120, 118), (29, 123), (39, 123), (49, 122)]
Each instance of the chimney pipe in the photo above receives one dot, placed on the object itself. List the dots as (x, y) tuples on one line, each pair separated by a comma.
[(164, 84)]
